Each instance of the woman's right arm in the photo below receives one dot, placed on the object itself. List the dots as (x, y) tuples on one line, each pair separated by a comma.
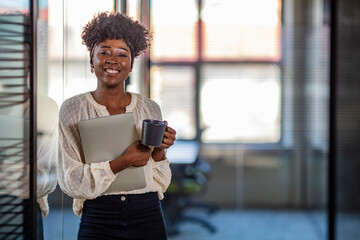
[(135, 155), (77, 179)]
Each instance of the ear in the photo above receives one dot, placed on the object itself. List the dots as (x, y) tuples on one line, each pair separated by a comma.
[(92, 66), (92, 56)]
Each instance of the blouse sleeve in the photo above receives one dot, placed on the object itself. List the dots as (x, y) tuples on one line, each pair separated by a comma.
[(162, 176), (77, 179), (161, 169)]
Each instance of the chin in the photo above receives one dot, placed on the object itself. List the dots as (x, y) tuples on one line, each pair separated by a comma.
[(112, 85)]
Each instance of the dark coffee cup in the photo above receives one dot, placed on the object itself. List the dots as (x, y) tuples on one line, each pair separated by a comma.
[(152, 132)]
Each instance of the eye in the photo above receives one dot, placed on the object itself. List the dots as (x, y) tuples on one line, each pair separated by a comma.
[(104, 53), (122, 55)]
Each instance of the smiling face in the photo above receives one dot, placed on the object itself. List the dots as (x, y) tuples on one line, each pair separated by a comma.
[(112, 62)]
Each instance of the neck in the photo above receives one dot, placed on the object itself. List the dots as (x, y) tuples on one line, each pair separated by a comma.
[(112, 97)]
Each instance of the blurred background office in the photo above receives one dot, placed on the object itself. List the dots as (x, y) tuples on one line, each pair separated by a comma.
[(264, 95)]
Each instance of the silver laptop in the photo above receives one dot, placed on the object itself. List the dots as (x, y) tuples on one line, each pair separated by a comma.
[(107, 138)]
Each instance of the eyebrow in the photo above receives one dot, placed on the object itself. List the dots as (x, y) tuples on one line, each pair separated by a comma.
[(117, 48)]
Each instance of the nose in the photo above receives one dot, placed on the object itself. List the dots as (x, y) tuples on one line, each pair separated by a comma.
[(112, 60)]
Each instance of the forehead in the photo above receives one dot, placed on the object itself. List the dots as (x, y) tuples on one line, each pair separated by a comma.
[(114, 43)]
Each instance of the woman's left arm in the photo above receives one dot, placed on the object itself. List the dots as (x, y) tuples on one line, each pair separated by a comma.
[(159, 162), (161, 165)]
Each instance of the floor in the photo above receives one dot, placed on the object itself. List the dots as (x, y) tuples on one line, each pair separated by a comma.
[(230, 225), (258, 225)]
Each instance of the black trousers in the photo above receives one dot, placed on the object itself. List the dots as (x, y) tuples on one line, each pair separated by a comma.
[(133, 216)]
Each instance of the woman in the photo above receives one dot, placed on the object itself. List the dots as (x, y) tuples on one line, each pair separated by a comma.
[(114, 40)]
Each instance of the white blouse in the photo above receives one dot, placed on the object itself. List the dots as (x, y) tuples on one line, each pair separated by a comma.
[(87, 181)]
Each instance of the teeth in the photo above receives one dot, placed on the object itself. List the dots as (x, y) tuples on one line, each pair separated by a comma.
[(112, 70)]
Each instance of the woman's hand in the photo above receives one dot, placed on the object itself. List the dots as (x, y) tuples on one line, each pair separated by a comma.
[(169, 138), (136, 155)]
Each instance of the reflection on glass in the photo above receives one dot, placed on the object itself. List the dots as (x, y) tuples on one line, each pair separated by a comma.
[(7, 6), (15, 111), (173, 89), (174, 24), (14, 129), (249, 110), (241, 30)]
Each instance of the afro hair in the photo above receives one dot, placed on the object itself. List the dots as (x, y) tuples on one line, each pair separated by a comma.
[(113, 25)]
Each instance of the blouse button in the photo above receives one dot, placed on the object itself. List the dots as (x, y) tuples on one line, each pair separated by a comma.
[(123, 198)]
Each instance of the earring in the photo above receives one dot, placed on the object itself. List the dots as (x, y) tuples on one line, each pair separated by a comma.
[(92, 70)]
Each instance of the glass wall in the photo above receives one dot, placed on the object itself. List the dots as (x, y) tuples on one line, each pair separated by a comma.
[(248, 81), (17, 165), (244, 83), (63, 71)]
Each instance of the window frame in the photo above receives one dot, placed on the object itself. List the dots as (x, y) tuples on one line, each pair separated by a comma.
[(197, 66)]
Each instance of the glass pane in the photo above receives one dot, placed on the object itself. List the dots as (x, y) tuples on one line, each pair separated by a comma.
[(241, 30), (240, 103), (173, 89), (15, 109), (64, 70), (174, 24), (136, 78)]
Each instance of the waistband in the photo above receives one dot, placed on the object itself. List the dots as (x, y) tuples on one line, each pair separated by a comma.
[(127, 197)]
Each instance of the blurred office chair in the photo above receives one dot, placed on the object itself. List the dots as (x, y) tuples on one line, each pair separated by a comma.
[(189, 179)]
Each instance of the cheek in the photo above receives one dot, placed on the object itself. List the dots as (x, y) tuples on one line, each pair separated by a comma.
[(96, 62), (97, 68), (125, 63)]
